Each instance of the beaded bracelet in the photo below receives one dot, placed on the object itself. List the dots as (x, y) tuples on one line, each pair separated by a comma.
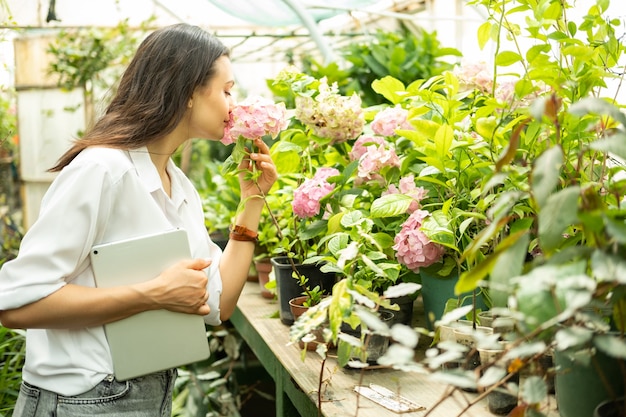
[(243, 234)]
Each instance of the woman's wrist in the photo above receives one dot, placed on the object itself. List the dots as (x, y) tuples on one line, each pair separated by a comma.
[(243, 234)]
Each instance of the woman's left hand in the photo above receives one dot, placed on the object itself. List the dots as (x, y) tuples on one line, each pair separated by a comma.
[(263, 163)]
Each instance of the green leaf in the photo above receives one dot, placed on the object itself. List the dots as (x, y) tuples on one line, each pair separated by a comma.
[(389, 87), (615, 144), (570, 337), (383, 239), (571, 28), (469, 280), (313, 230), (484, 34), (436, 227), (509, 263), (485, 126), (598, 106), (536, 50), (457, 377), (603, 5), (536, 303), (579, 51), (286, 157), (338, 242), (506, 58), (617, 230), (435, 166), (424, 130), (235, 158), (607, 267), (334, 222), (390, 205), (443, 140), (612, 345), (559, 212), (351, 219), (492, 375), (553, 12), (534, 390), (545, 174), (344, 353)]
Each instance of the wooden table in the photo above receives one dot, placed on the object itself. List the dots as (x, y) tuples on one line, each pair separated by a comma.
[(297, 381)]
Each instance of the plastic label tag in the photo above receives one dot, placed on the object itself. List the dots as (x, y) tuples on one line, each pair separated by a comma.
[(388, 399)]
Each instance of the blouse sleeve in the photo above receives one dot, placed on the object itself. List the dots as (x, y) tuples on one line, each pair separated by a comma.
[(214, 286), (56, 247), (204, 247)]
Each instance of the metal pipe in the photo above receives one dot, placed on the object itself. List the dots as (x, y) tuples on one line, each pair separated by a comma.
[(310, 24)]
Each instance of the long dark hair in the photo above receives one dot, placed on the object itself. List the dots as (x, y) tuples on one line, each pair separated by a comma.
[(154, 91)]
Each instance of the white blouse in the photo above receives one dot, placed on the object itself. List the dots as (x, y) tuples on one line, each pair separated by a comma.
[(103, 195)]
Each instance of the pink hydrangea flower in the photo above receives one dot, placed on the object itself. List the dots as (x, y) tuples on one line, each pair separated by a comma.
[(254, 118), (407, 187), (388, 120), (475, 75), (412, 246), (331, 115), (306, 198), (373, 160), (506, 91), (361, 144)]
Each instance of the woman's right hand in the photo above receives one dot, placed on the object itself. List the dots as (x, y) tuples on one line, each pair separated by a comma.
[(181, 287)]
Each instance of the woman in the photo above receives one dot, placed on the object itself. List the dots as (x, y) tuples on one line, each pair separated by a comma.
[(118, 182)]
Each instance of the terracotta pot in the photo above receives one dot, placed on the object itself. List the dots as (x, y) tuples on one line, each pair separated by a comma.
[(296, 305), (263, 269), (297, 309)]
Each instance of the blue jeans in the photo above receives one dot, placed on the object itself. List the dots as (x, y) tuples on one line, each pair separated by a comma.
[(146, 396)]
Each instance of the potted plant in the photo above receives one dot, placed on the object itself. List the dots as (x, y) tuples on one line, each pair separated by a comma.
[(560, 180), (347, 178), (572, 297), (292, 240)]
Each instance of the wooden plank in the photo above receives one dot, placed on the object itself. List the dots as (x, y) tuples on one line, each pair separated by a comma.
[(254, 320), (46, 129), (32, 62)]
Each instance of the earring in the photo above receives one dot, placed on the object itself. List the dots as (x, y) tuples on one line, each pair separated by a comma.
[(189, 104)]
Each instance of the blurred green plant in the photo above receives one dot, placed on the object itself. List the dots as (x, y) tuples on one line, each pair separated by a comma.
[(12, 347), (93, 58), (12, 351), (8, 122), (407, 55), (210, 388), (403, 54)]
